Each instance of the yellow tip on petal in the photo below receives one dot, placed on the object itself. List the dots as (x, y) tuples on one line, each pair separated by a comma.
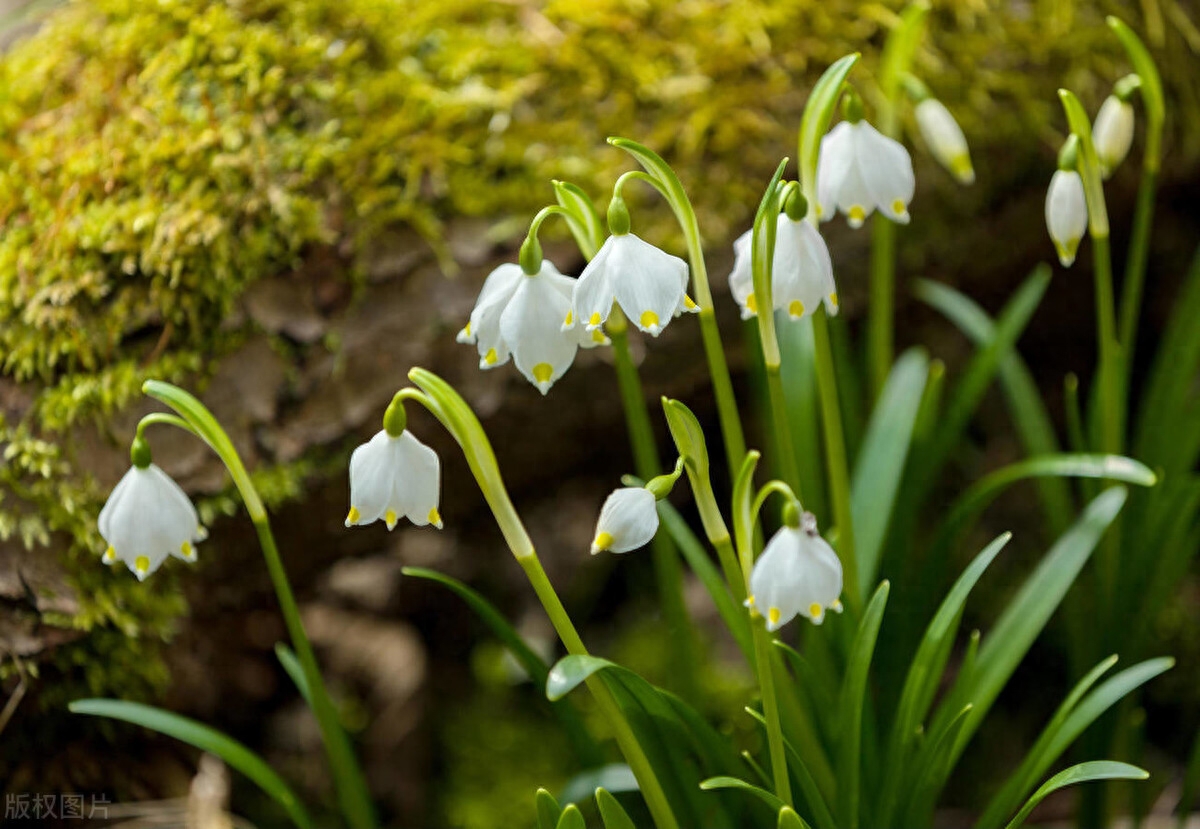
[(435, 518), (898, 207), (467, 329), (836, 607), (752, 303), (570, 320), (142, 565), (595, 319), (820, 211), (186, 549), (796, 308), (773, 615), (599, 337), (603, 542), (491, 357), (110, 555), (814, 610), (690, 304), (353, 516), (856, 214), (649, 319), (833, 299), (390, 518), (542, 372)]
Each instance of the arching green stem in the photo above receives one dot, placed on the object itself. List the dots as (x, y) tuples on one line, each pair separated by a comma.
[(445, 404), (353, 795)]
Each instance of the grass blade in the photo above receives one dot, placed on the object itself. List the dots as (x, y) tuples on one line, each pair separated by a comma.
[(850, 712), (1028, 612), (925, 673), (186, 730), (822, 816), (611, 812), (1082, 773), (881, 460), (717, 783), (589, 752), (548, 810)]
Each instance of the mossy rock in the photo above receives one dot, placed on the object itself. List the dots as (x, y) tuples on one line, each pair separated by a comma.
[(161, 159)]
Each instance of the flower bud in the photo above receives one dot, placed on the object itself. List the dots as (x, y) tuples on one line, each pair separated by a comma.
[(1113, 133)]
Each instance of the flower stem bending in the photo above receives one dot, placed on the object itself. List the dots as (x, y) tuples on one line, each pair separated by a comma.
[(353, 795), (444, 403)]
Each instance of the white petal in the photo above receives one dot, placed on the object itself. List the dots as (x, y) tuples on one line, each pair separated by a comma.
[(416, 481), (775, 578), (886, 169), (593, 298), (370, 480), (945, 138), (741, 278), (834, 162), (532, 327), (1066, 213), (1113, 133), (648, 283), (628, 520), (854, 197), (484, 327)]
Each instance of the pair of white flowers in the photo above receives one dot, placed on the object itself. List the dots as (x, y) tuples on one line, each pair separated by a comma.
[(541, 319), (1066, 204), (798, 573)]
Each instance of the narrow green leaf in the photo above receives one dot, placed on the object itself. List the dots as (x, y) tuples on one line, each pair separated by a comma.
[(788, 819), (611, 812), (818, 112), (932, 764), (571, 818), (1028, 612), (850, 708), (797, 352), (1089, 163), (1082, 773), (898, 51), (969, 391), (1005, 801), (1030, 417), (548, 810), (925, 672), (533, 665), (881, 460), (1143, 64), (807, 784), (718, 783), (1191, 782), (980, 494), (291, 666), (585, 222), (236, 755)]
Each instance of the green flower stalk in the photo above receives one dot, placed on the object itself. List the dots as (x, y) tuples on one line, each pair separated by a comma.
[(353, 795), (444, 403)]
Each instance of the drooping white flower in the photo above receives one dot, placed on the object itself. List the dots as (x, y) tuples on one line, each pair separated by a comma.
[(392, 478), (649, 284), (147, 518), (801, 271), (1113, 133), (798, 574), (520, 315), (860, 170), (1066, 213), (945, 139), (628, 520)]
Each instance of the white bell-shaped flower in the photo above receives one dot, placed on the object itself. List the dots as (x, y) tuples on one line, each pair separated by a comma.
[(520, 315), (392, 478), (945, 139), (860, 170), (147, 518), (1113, 133), (1066, 214), (649, 284), (798, 574), (801, 271), (628, 520)]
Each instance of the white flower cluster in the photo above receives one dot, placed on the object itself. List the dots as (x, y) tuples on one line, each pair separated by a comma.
[(541, 319)]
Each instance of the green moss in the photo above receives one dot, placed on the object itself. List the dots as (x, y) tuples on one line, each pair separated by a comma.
[(158, 158)]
